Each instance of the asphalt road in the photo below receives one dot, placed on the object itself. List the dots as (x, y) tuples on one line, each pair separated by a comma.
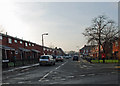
[(67, 72)]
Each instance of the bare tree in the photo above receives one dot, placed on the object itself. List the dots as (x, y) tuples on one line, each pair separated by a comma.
[(102, 32)]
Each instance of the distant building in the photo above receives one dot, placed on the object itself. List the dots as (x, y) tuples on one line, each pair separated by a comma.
[(95, 51), (86, 50)]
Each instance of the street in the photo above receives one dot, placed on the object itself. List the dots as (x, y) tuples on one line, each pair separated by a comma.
[(67, 72)]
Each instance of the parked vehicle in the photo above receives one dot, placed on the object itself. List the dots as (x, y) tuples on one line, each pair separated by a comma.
[(59, 58), (75, 58), (54, 56), (67, 57), (47, 60)]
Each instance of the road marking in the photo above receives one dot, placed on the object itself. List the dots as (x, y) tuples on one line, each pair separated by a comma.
[(63, 79), (56, 77), (58, 67), (82, 75), (45, 76), (21, 82), (61, 65), (71, 76), (5, 83), (113, 72), (84, 66), (47, 80), (51, 72)]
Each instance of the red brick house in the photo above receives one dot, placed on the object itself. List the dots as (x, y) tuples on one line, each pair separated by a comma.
[(116, 48), (18, 49), (86, 50), (15, 49)]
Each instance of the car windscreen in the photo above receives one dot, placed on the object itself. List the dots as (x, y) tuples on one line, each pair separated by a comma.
[(44, 57), (58, 57), (75, 56)]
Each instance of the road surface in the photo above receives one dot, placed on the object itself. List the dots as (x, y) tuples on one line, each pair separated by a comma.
[(67, 72)]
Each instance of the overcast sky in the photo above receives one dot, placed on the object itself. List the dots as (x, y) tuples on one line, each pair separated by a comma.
[(64, 21)]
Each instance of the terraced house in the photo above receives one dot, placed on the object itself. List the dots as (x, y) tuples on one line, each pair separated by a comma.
[(22, 52)]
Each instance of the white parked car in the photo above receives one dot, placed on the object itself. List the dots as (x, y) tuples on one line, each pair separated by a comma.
[(46, 60)]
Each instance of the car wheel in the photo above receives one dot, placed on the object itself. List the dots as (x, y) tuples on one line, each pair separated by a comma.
[(40, 64), (54, 63)]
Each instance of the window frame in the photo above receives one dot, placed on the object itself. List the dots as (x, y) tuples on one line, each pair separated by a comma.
[(26, 44), (9, 40), (15, 41), (1, 37), (21, 42)]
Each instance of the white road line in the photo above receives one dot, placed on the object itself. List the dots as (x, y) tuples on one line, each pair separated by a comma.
[(82, 75), (63, 79), (51, 72), (54, 83), (84, 66), (58, 67), (21, 82), (45, 76), (5, 83), (61, 65), (113, 72)]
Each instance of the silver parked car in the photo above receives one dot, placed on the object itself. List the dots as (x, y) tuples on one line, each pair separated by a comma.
[(47, 60)]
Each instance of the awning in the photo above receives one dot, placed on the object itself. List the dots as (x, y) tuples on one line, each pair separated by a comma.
[(6, 47), (35, 50), (23, 49)]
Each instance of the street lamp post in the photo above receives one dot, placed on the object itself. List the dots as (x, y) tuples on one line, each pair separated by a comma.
[(43, 40)]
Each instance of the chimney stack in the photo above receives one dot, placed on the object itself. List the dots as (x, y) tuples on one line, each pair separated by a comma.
[(6, 33)]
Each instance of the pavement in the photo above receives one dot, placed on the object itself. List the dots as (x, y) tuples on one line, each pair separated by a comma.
[(19, 68)]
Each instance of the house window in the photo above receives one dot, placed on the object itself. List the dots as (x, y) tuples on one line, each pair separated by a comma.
[(15, 41), (0, 37), (87, 51), (20, 42), (26, 44), (44, 49), (16, 52), (32, 44), (116, 43), (29, 44), (10, 40)]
